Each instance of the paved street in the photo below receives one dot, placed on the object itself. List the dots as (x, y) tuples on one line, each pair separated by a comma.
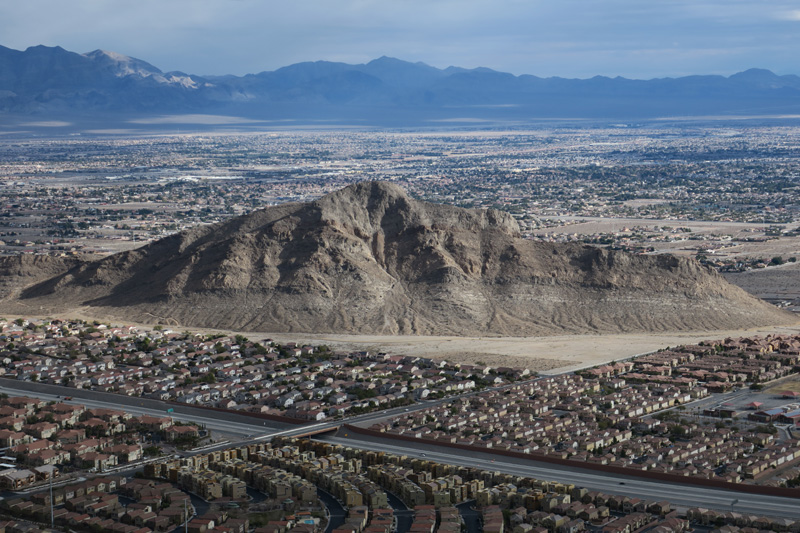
[(225, 426), (680, 495), (258, 430)]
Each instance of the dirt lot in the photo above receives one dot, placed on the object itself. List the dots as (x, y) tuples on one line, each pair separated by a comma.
[(778, 283), (546, 355), (793, 385), (726, 239), (543, 354)]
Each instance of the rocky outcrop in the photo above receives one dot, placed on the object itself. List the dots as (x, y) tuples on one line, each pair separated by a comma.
[(370, 259)]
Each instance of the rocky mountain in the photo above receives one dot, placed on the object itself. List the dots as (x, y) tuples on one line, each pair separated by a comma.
[(45, 79), (20, 271), (369, 259), (384, 91)]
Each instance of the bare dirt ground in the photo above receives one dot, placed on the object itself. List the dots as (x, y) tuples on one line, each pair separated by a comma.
[(793, 385), (773, 283), (718, 239), (546, 355), (543, 354)]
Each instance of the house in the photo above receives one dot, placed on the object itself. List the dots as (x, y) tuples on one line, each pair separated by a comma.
[(71, 436), (176, 432), (126, 453), (42, 430), (49, 457), (98, 461), (10, 438), (16, 479), (152, 423)]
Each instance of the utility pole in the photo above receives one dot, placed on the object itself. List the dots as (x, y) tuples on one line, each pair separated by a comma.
[(52, 514)]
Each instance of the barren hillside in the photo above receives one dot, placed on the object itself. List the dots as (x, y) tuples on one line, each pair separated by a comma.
[(369, 259)]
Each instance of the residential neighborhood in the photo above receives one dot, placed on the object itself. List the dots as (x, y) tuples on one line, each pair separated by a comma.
[(298, 381), (277, 487), (723, 410), (49, 439), (638, 414)]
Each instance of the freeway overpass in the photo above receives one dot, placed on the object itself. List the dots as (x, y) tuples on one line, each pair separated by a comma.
[(251, 429)]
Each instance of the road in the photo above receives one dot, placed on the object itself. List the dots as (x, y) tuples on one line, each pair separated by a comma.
[(336, 512), (681, 496), (471, 516), (257, 433), (242, 426), (403, 516), (244, 429), (224, 426)]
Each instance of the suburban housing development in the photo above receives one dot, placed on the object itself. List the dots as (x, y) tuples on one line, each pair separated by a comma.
[(725, 411)]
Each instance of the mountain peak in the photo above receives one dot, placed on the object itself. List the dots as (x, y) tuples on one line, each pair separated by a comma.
[(364, 190), (755, 75), (756, 72), (369, 259), (386, 90), (122, 64), (111, 55), (40, 51), (386, 60), (44, 48)]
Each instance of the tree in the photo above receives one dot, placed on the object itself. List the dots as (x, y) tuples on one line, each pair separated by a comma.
[(208, 377), (152, 451), (677, 431)]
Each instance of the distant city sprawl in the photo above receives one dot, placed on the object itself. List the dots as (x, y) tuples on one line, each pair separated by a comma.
[(727, 196)]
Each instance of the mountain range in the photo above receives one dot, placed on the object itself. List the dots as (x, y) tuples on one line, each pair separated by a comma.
[(369, 259), (48, 80)]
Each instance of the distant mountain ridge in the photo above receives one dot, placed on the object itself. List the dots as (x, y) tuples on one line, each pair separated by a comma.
[(45, 79)]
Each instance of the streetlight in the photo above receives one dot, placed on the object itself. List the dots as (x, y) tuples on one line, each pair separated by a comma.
[(52, 515)]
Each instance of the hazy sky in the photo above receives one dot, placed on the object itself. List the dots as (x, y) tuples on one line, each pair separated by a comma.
[(570, 38)]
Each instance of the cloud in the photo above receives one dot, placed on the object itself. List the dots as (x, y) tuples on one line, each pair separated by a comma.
[(793, 14), (573, 38)]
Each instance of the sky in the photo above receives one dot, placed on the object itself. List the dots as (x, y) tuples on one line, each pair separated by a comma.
[(570, 38)]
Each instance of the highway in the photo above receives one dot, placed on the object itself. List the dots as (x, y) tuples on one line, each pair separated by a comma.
[(243, 431), (224, 426), (681, 496), (247, 429), (251, 429)]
